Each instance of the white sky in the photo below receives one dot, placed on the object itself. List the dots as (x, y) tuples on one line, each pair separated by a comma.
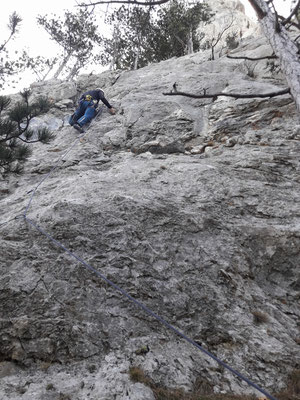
[(30, 35), (34, 39), (282, 7)]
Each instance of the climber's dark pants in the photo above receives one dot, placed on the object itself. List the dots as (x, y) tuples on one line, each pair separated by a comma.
[(84, 113)]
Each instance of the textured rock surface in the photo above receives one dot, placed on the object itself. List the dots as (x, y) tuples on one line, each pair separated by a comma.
[(192, 207), (229, 20)]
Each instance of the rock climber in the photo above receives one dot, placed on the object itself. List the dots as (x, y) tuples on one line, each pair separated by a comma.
[(87, 108)]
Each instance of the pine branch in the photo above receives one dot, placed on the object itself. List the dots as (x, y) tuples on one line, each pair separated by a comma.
[(28, 141), (2, 47), (214, 96), (14, 21), (8, 138)]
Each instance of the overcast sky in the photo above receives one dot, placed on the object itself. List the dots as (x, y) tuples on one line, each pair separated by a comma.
[(34, 39), (30, 34)]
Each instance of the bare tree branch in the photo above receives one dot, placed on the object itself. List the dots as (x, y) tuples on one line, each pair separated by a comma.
[(294, 12), (297, 39), (214, 96), (252, 58), (281, 21), (214, 41), (135, 2), (290, 23)]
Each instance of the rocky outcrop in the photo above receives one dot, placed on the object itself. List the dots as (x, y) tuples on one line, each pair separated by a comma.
[(191, 206), (228, 28)]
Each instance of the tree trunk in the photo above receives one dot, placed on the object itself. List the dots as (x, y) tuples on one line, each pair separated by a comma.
[(136, 59), (184, 46), (190, 45), (114, 60), (62, 66), (137, 55), (212, 51), (283, 46), (74, 71)]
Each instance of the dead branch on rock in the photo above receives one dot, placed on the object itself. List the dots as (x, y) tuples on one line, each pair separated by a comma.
[(252, 58), (135, 2), (214, 96)]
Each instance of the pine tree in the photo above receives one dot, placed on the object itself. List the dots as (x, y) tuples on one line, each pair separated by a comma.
[(15, 131), (176, 29), (129, 46), (12, 66), (141, 36), (77, 35), (8, 68)]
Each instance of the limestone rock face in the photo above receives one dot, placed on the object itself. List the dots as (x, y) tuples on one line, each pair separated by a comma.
[(55, 89), (190, 206), (229, 21)]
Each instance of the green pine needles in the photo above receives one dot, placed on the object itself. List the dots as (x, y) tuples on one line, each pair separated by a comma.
[(15, 131), (143, 36)]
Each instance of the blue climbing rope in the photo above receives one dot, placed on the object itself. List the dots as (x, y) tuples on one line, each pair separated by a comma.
[(127, 295), (148, 310)]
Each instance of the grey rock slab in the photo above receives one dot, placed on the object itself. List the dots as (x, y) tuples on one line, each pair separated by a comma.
[(52, 123), (8, 368), (191, 206)]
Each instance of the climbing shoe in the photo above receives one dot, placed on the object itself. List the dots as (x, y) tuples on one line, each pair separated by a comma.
[(72, 119), (78, 128)]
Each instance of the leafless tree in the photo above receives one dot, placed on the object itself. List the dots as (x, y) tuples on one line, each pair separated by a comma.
[(275, 29), (214, 41)]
